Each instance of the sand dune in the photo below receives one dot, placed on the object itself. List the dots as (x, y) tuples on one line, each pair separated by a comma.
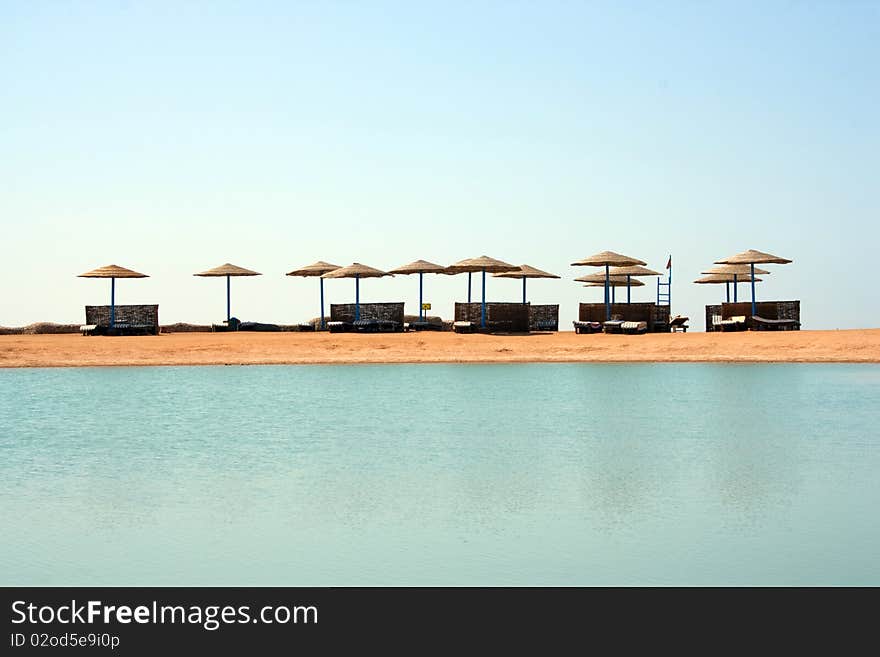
[(861, 345)]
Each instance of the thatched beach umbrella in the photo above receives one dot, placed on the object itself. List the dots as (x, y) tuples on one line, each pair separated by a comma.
[(524, 272), (727, 279), (420, 267), (357, 271), (228, 271), (608, 259), (112, 272), (614, 282), (752, 258), (629, 272), (482, 264), (316, 269), (738, 273)]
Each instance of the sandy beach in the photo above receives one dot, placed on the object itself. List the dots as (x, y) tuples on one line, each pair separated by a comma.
[(856, 346)]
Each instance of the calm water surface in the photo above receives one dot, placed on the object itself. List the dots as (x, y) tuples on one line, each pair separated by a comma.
[(441, 474)]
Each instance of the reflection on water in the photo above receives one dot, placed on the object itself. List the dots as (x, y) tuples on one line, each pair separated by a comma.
[(441, 474)]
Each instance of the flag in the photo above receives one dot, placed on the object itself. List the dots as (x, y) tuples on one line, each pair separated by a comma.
[(669, 263)]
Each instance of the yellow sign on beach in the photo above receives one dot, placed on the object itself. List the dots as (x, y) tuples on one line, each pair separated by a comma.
[(426, 306)]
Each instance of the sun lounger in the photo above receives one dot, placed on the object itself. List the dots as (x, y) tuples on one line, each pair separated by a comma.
[(546, 325), (678, 323), (375, 326), (613, 326), (587, 327), (463, 327), (231, 324), (764, 324), (634, 328), (425, 326), (88, 329), (499, 326), (338, 327), (737, 323)]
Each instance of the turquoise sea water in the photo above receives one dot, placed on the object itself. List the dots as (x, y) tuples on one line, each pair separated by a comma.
[(441, 474)]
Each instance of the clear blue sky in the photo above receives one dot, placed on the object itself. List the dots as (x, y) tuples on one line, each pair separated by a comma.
[(173, 137)]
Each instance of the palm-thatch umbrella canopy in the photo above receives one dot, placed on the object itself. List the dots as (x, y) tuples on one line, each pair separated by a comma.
[(614, 282), (420, 267), (112, 272), (482, 264), (752, 258), (357, 271), (727, 279), (737, 270), (629, 272), (524, 272), (737, 273), (228, 271), (316, 269), (608, 259)]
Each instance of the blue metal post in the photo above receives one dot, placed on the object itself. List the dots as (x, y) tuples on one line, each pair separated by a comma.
[(607, 297), (322, 301), (734, 288), (524, 289), (469, 287), (669, 281), (483, 306), (112, 302), (754, 306), (228, 305), (421, 303), (628, 279), (357, 297), (727, 285)]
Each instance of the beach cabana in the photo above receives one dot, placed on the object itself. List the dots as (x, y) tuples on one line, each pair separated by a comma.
[(112, 272), (524, 272), (357, 271), (717, 279), (316, 269), (420, 267), (752, 258), (608, 259), (738, 273), (228, 271), (482, 264)]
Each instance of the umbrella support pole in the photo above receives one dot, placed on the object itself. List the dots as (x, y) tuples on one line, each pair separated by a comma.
[(524, 290), (607, 296), (421, 303), (112, 302), (357, 297), (734, 289), (322, 303), (727, 285), (228, 297), (469, 287), (483, 305), (628, 279), (754, 305)]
